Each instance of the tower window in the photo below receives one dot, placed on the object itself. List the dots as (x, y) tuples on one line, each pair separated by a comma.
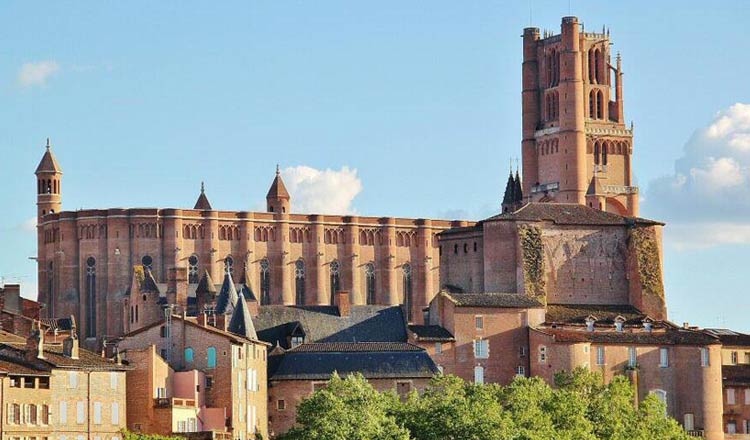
[(299, 280), (370, 282), (90, 297), (408, 292), (193, 269), (335, 280), (265, 282)]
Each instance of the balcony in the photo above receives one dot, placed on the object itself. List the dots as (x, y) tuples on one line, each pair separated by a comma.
[(166, 402)]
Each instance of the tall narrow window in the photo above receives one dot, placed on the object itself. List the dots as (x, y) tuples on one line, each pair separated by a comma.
[(189, 355), (299, 282), (265, 282), (90, 297), (605, 147), (370, 282), (335, 279), (51, 288), (664, 357), (705, 360), (596, 153), (408, 293), (632, 357), (211, 357), (193, 269), (600, 356), (599, 105), (478, 375)]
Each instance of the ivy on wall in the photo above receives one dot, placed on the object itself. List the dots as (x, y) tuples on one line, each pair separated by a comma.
[(643, 243), (139, 274), (532, 249)]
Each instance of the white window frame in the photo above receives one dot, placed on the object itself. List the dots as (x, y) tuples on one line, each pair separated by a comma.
[(80, 412), (705, 357), (438, 348), (479, 375), (97, 413), (479, 322), (542, 354), (731, 396), (601, 356), (663, 357), (632, 357), (481, 349), (520, 371)]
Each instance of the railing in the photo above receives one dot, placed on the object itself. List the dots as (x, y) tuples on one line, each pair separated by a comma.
[(620, 189), (698, 433), (165, 402), (545, 187)]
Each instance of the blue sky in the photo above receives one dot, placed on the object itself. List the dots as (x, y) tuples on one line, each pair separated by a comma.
[(412, 107)]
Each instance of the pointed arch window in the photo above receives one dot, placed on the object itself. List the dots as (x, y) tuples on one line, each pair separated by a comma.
[(599, 105), (193, 269), (265, 282), (408, 291), (299, 282), (605, 147), (335, 268), (596, 153), (90, 297), (370, 283)]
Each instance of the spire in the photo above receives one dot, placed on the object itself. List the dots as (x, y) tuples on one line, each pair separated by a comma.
[(202, 203), (206, 285), (245, 289), (227, 300), (510, 190), (48, 164), (241, 322), (278, 189), (277, 199)]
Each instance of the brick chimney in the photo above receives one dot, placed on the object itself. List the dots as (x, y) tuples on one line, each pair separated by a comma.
[(70, 346), (177, 284), (343, 303), (35, 342)]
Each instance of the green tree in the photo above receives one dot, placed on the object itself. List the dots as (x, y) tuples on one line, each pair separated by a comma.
[(347, 409)]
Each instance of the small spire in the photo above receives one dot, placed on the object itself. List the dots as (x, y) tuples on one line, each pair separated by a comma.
[(48, 144), (203, 188), (277, 170)]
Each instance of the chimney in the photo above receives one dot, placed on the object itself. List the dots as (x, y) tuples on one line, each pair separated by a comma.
[(70, 346), (342, 302), (35, 342), (177, 284)]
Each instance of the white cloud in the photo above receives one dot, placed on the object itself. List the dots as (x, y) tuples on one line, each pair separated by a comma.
[(322, 191), (37, 74), (29, 225), (706, 202)]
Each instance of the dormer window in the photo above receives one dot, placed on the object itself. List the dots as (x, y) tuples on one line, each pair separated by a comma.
[(619, 321), (297, 341), (648, 324), (590, 321)]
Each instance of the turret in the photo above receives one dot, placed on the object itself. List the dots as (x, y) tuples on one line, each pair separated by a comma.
[(277, 199), (48, 184), (202, 203)]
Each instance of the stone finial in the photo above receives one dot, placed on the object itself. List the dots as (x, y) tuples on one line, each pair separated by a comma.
[(48, 144)]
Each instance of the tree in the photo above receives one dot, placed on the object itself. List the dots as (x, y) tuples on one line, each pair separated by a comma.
[(347, 409)]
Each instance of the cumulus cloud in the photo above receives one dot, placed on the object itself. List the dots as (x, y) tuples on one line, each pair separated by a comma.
[(37, 74), (322, 191), (29, 225), (707, 198)]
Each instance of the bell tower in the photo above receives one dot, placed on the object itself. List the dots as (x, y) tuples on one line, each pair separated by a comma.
[(48, 185), (277, 199), (576, 147)]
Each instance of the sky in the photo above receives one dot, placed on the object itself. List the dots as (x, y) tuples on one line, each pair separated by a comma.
[(385, 108)]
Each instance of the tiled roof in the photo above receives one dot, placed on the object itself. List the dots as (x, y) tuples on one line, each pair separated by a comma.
[(18, 367), (275, 323), (202, 203), (736, 374), (491, 299), (569, 214), (730, 337), (403, 361), (351, 347), (53, 355), (671, 336), (191, 321), (278, 189), (604, 314), (433, 333), (10, 337)]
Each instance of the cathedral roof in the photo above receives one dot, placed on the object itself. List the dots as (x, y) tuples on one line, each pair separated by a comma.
[(202, 203), (493, 300), (48, 164), (227, 299), (278, 189), (206, 285), (570, 214), (510, 191), (241, 323)]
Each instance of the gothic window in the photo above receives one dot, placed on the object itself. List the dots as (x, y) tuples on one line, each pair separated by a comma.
[(335, 285), (599, 105), (370, 282), (596, 153), (592, 104), (147, 262), (90, 297), (265, 282), (299, 282), (605, 147), (408, 292), (597, 62), (193, 269)]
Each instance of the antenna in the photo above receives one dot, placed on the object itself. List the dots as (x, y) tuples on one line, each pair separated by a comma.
[(531, 13)]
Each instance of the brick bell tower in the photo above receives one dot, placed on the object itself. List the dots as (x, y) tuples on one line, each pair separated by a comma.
[(576, 147), (48, 201)]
